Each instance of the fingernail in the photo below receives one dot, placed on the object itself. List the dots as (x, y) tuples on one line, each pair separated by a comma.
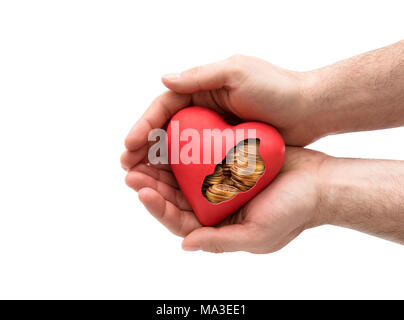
[(171, 76), (191, 248)]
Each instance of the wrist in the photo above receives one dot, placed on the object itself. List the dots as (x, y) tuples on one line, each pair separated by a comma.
[(317, 170), (365, 195), (328, 190), (344, 190), (313, 124)]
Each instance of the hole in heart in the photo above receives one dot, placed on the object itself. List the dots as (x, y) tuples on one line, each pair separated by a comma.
[(238, 172)]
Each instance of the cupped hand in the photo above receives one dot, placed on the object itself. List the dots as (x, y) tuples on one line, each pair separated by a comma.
[(239, 88), (255, 90), (285, 208)]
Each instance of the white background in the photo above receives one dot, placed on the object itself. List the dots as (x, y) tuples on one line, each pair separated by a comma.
[(74, 77)]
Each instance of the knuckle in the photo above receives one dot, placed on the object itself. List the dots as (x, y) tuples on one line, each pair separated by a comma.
[(193, 72), (194, 75), (237, 64), (180, 229)]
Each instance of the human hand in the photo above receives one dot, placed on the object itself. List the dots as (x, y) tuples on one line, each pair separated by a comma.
[(339, 98), (254, 90), (265, 224), (360, 93), (239, 88)]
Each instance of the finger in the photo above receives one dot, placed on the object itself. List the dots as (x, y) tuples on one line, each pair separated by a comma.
[(159, 174), (208, 77), (229, 238), (161, 166), (159, 112), (138, 180), (179, 222), (131, 158), (217, 102)]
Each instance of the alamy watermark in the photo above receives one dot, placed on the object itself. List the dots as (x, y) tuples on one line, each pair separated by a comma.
[(189, 147)]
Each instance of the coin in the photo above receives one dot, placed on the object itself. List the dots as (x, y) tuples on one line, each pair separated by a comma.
[(224, 189), (239, 185), (220, 192), (255, 164), (246, 172), (238, 172), (215, 177), (228, 181), (214, 180), (244, 181), (226, 169)]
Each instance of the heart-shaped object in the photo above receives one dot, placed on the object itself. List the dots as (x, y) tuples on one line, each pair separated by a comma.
[(194, 134)]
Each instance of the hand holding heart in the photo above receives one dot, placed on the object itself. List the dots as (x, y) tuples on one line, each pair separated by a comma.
[(235, 90), (239, 88), (311, 188), (265, 224), (204, 135)]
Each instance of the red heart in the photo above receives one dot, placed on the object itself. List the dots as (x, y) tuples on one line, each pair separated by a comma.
[(190, 176)]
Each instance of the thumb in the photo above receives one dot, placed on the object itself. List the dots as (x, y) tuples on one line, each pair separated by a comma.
[(236, 237), (208, 77)]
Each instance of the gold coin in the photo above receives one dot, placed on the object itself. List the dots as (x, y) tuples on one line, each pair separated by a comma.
[(223, 189), (213, 198), (220, 192), (249, 162), (227, 181), (245, 182), (248, 150), (238, 172), (215, 177), (248, 157), (226, 166), (251, 165), (213, 181), (246, 172), (239, 185)]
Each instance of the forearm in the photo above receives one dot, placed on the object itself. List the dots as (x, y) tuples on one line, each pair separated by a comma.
[(365, 92), (365, 195)]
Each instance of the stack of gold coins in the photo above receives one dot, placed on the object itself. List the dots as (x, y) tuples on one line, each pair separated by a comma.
[(238, 172), (227, 169), (228, 181), (215, 178), (248, 166), (220, 192)]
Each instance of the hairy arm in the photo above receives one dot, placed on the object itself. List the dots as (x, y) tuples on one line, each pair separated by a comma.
[(365, 195), (365, 92)]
